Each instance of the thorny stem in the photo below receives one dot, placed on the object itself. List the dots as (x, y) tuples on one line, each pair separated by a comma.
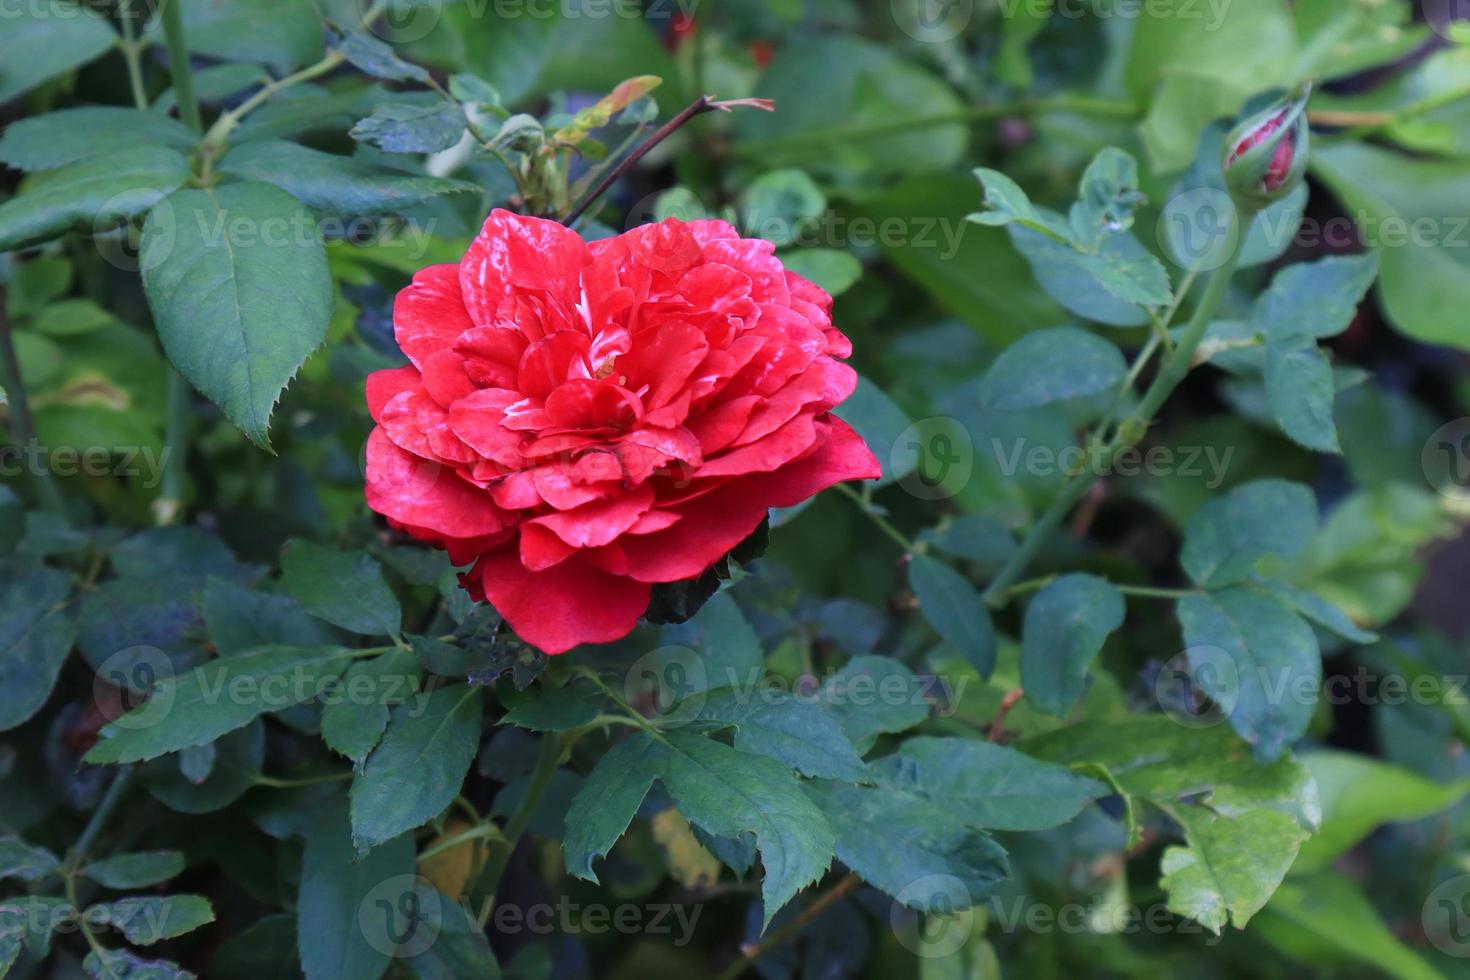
[(170, 502), (699, 106), (516, 826), (1127, 433), (749, 954)]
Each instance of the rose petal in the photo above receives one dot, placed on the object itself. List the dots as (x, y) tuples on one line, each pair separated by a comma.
[(429, 314), (840, 455), (564, 606)]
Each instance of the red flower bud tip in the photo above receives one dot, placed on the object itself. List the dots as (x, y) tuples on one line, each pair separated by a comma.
[(681, 29), (762, 52), (1279, 168)]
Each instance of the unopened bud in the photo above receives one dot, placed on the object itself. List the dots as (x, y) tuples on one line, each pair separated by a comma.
[(1266, 156)]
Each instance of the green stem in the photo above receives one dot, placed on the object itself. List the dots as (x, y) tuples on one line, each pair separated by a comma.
[(478, 832), (489, 880), (882, 523), (132, 53), (178, 64), (836, 135), (1382, 120), (1176, 365), (275, 782), (110, 800), (170, 502)]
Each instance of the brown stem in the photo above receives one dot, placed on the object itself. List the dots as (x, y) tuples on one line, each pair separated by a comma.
[(699, 106), (754, 951), (997, 727)]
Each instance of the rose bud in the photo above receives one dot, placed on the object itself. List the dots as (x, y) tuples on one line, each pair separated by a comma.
[(1266, 156)]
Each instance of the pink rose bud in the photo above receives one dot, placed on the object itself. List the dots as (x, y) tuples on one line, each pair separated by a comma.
[(1266, 155)]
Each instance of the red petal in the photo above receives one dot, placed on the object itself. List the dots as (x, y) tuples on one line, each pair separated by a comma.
[(445, 378), (787, 443), (514, 252), (840, 455), (708, 527), (429, 313), (595, 524), (425, 494), (564, 606), (383, 386)]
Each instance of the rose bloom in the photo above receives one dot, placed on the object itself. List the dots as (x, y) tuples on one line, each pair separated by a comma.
[(582, 420)]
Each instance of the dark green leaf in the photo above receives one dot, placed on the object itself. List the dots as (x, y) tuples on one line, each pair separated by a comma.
[(1066, 625), (954, 608), (1256, 659), (418, 768), (345, 588), (238, 757), (206, 702), (95, 193), (1228, 535), (122, 964), (796, 732), (67, 135), (1301, 388), (1318, 299), (874, 695), (399, 128), (35, 636), (356, 714), (245, 261), (152, 919), (376, 58), (779, 204), (336, 184), (1053, 365), (20, 860), (239, 619), (46, 38), (138, 869), (544, 708)]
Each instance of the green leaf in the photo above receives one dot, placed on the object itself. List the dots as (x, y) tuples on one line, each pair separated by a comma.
[(954, 608), (1055, 365), (46, 38), (36, 634), (1130, 274), (1231, 866), (336, 184), (922, 853), (728, 650), (399, 128), (1330, 909), (71, 317), (459, 949), (20, 860), (356, 715), (233, 772), (240, 619), (139, 869), (152, 919), (1425, 286), (377, 59), (264, 949), (416, 771), (1318, 610), (67, 135), (779, 204), (280, 33), (1008, 204), (1301, 390), (1318, 299), (238, 283), (834, 269), (544, 708), (1071, 278), (199, 706), (95, 193), (723, 791), (778, 725), (1065, 626), (1255, 658), (1358, 795), (335, 884), (989, 786), (345, 588), (116, 964), (1106, 199), (1228, 536), (853, 695)]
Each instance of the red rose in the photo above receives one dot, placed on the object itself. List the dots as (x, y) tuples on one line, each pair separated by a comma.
[(585, 419), (1279, 169)]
